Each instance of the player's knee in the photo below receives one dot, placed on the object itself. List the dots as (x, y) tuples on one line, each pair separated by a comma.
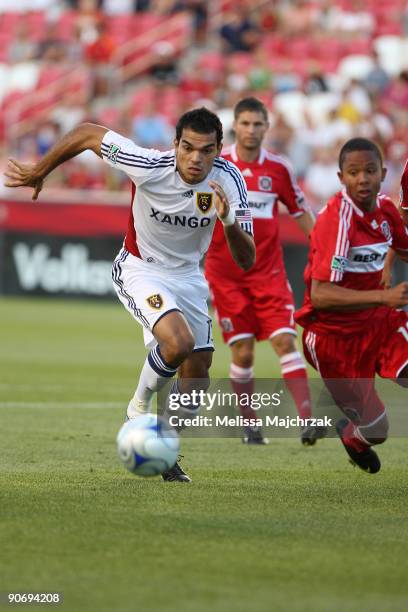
[(243, 354), (176, 349), (283, 344)]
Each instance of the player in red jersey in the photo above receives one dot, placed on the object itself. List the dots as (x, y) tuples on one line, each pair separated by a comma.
[(404, 194), (389, 260), (352, 328), (258, 305)]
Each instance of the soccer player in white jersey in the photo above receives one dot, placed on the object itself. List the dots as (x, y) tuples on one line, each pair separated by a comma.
[(177, 197)]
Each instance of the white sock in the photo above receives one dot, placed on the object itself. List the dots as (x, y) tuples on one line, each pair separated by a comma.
[(238, 374), (153, 377)]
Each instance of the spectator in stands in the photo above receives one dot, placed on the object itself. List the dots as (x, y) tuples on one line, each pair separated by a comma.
[(240, 32), (164, 67), (297, 18), (47, 135), (98, 54), (396, 93), (151, 129), (22, 48), (88, 19), (377, 80), (199, 12), (51, 48), (315, 82)]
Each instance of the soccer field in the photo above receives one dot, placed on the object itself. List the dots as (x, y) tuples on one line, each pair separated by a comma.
[(278, 528)]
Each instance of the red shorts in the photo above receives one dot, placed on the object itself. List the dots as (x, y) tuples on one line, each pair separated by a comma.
[(348, 364), (260, 309)]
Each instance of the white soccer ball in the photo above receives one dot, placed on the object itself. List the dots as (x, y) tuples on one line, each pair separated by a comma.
[(147, 445)]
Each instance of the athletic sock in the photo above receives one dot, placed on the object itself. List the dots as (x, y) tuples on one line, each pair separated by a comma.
[(294, 372), (353, 437), (242, 382), (153, 377)]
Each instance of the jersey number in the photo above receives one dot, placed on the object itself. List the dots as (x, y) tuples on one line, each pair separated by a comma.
[(209, 336)]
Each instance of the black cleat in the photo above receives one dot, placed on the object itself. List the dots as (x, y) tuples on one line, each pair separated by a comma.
[(175, 474), (253, 435), (311, 433), (366, 460)]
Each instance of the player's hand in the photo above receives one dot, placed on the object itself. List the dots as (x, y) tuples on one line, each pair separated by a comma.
[(23, 175), (386, 278), (221, 202), (397, 297)]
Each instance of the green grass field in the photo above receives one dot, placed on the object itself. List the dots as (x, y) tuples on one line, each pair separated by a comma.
[(277, 528)]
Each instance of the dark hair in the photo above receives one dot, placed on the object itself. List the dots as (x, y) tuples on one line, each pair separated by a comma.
[(359, 144), (200, 120), (250, 104)]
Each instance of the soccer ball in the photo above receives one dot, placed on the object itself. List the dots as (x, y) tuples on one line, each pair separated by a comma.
[(147, 445)]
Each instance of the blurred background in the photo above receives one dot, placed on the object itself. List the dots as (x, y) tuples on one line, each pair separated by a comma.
[(327, 70)]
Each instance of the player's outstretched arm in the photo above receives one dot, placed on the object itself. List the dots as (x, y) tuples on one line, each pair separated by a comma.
[(329, 296), (85, 136), (241, 244)]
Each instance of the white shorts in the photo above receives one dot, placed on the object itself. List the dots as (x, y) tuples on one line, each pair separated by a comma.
[(149, 292)]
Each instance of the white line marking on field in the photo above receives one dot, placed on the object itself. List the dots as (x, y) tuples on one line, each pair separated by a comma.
[(56, 405)]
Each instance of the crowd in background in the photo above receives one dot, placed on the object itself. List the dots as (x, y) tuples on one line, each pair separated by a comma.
[(289, 53)]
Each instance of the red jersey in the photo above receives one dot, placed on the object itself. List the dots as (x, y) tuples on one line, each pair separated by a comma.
[(268, 181), (348, 247), (404, 188)]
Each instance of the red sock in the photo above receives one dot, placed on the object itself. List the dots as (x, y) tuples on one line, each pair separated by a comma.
[(350, 438), (295, 375), (242, 382)]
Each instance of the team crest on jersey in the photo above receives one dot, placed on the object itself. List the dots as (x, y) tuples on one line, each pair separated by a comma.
[(113, 152), (204, 201), (155, 301), (227, 325), (338, 263), (265, 183), (385, 228)]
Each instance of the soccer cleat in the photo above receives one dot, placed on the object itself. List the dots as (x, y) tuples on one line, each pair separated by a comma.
[(367, 460), (310, 434), (176, 474), (136, 408), (253, 435)]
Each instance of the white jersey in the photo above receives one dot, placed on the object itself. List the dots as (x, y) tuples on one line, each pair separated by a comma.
[(171, 221)]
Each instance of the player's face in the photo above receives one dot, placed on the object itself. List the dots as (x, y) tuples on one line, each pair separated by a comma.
[(195, 155), (362, 175), (250, 128)]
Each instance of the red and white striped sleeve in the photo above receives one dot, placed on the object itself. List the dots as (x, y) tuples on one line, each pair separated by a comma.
[(330, 242)]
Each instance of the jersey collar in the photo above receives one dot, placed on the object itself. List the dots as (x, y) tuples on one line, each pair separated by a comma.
[(260, 160), (358, 210)]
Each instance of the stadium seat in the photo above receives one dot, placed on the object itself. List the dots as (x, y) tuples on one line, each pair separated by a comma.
[(23, 76), (392, 51), (291, 105), (50, 73), (355, 66), (319, 105)]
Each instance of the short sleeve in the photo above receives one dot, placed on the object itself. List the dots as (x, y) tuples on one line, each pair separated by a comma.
[(330, 244), (138, 163), (290, 194), (233, 184)]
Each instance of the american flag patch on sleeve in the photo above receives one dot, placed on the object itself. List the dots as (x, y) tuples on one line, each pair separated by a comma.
[(244, 218)]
